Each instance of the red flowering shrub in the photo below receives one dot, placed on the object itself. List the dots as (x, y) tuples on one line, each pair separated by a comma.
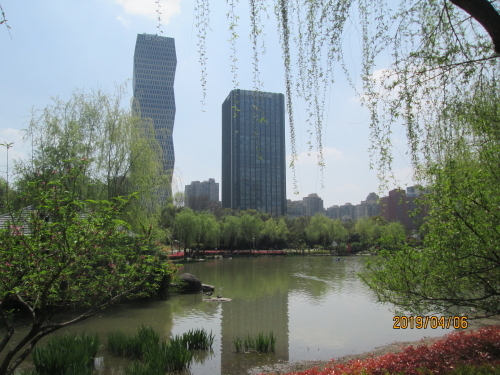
[(458, 348)]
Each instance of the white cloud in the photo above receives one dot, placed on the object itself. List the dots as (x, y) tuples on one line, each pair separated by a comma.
[(124, 22), (168, 9)]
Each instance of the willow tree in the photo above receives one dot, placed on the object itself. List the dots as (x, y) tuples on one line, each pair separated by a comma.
[(443, 57), (100, 127), (438, 50), (457, 267)]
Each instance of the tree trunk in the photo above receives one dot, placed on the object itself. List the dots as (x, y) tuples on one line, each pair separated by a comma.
[(484, 13)]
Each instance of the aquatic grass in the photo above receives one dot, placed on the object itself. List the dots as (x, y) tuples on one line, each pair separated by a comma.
[(118, 342), (67, 355), (198, 339), (168, 357), (133, 347), (238, 344), (177, 355), (265, 343), (261, 343), (153, 357)]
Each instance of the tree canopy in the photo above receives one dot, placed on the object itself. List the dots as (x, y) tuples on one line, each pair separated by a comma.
[(457, 267), (125, 154), (70, 253)]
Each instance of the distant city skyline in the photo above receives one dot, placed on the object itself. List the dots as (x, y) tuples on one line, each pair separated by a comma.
[(203, 195), (50, 52)]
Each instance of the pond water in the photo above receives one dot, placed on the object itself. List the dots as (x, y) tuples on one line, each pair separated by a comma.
[(316, 306)]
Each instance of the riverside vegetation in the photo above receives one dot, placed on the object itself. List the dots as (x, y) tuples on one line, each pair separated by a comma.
[(261, 343), (74, 355), (459, 353)]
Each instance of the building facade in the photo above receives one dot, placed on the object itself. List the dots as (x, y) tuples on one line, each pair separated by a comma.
[(155, 62), (253, 152), (200, 196), (294, 208), (399, 206), (312, 205)]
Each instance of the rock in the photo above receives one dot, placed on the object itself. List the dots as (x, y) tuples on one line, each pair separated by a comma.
[(190, 284), (207, 288)]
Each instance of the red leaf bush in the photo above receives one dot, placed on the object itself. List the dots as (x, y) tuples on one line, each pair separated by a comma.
[(458, 348)]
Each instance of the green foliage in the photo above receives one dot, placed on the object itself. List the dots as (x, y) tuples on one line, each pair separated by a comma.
[(198, 339), (118, 342), (250, 228), (322, 230), (158, 358), (457, 265), (169, 357), (132, 347), (208, 229), (231, 231), (67, 355), (73, 253), (125, 155), (261, 343), (186, 227)]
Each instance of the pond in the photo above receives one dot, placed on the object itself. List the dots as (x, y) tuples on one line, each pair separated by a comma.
[(316, 306)]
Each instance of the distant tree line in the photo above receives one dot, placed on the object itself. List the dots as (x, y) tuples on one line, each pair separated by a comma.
[(250, 229)]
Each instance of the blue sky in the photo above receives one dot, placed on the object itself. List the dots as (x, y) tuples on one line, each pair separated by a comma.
[(57, 46)]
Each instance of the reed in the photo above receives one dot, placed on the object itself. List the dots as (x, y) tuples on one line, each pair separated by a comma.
[(261, 343), (67, 355), (177, 356), (198, 339), (117, 342), (135, 346), (265, 343), (238, 344), (168, 357)]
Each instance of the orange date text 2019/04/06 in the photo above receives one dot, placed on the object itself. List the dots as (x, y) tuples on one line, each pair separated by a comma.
[(434, 322)]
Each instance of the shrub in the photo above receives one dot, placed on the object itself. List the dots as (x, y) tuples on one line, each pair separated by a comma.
[(457, 353)]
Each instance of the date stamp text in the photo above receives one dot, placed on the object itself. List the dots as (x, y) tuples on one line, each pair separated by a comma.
[(434, 322)]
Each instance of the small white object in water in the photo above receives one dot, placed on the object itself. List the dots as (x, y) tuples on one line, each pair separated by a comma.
[(99, 364)]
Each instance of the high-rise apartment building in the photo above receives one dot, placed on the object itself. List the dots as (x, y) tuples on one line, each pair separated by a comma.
[(312, 205), (153, 85), (253, 151), (202, 195)]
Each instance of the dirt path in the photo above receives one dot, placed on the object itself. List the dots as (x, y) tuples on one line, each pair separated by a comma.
[(395, 347)]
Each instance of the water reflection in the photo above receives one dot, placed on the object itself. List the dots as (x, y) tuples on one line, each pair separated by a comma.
[(316, 306)]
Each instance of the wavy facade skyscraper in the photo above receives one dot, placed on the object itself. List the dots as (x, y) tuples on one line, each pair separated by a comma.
[(153, 85)]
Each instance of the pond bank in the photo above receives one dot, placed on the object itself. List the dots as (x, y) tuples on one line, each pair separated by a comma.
[(395, 347)]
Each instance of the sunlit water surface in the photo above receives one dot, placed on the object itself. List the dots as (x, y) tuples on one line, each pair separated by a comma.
[(317, 307)]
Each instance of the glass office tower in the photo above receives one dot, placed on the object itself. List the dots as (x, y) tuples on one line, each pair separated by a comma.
[(253, 152), (153, 85)]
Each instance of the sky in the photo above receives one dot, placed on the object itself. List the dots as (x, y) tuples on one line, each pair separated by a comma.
[(56, 47)]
